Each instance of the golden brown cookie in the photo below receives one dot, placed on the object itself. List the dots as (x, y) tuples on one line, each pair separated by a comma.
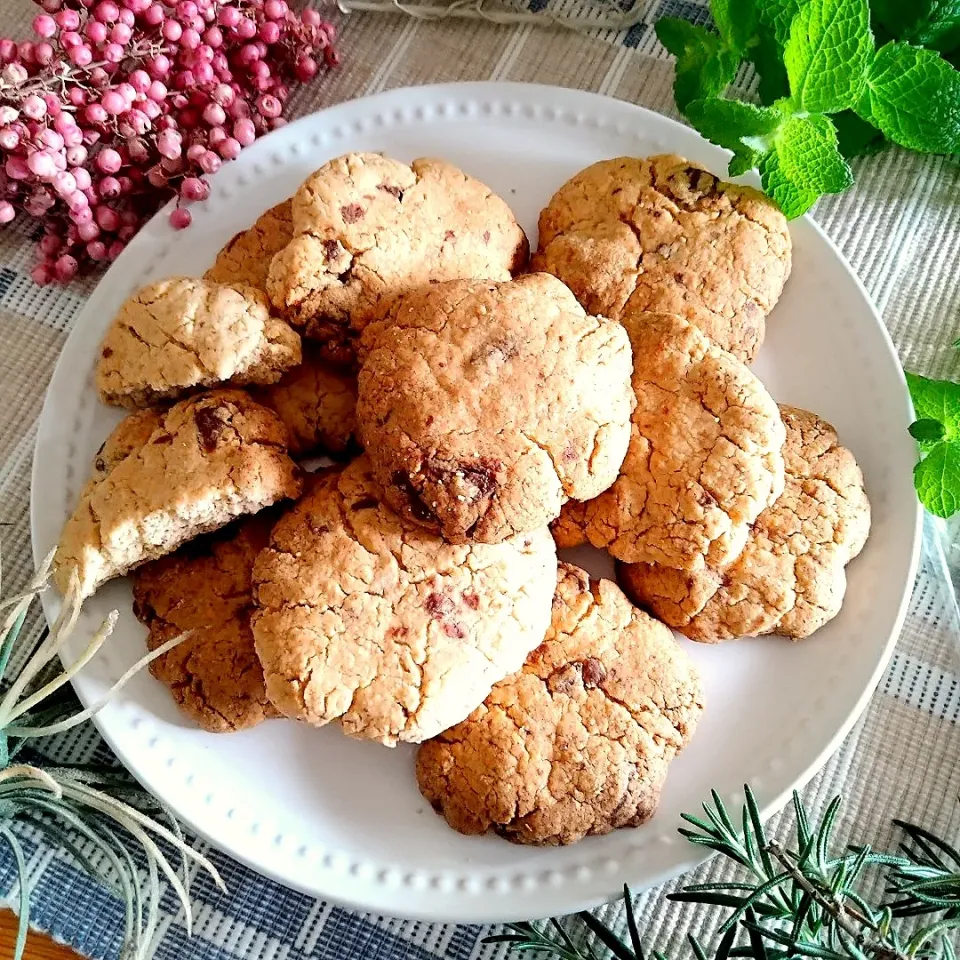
[(181, 334), (246, 258), (318, 404), (790, 578), (663, 235), (483, 405), (570, 528), (367, 228), (206, 461), (366, 618), (704, 458), (577, 742), (214, 675)]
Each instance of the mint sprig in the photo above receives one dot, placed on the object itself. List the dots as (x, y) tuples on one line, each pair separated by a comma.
[(827, 93), (937, 432)]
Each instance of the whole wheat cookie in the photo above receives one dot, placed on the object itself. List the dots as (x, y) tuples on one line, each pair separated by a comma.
[(705, 455), (570, 528), (366, 618), (181, 334), (318, 405), (205, 587), (663, 235), (246, 258), (165, 477), (790, 578), (367, 228), (485, 405), (578, 742)]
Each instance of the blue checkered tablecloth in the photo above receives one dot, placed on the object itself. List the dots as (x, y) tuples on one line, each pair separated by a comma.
[(899, 227)]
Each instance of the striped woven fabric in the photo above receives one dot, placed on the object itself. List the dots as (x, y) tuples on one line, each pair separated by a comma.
[(899, 229)]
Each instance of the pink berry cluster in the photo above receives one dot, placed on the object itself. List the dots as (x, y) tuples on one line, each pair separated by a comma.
[(118, 105)]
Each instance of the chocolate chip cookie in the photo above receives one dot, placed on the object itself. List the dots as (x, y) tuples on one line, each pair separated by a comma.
[(166, 477), (367, 228), (181, 334), (214, 675), (705, 455), (484, 406), (318, 405), (578, 742), (790, 578), (663, 235), (246, 258), (366, 618)]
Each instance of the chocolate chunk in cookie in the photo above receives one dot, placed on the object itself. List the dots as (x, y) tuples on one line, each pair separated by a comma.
[(214, 675), (790, 578), (366, 618), (484, 406), (662, 235), (578, 742)]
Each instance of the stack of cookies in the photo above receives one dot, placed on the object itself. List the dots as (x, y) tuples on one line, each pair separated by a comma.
[(481, 408)]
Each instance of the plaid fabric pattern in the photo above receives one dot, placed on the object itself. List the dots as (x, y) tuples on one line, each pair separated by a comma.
[(899, 229)]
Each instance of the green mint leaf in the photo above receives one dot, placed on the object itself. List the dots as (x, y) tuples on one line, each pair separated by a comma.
[(827, 54), (927, 23), (741, 127), (793, 199), (705, 65), (778, 15), (809, 156), (936, 400), (856, 137), (926, 431), (937, 479), (727, 122), (743, 160), (737, 22), (913, 96)]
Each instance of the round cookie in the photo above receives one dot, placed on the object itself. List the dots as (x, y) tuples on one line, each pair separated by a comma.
[(367, 618), (367, 228), (790, 578), (180, 334), (663, 235), (214, 675), (485, 405), (705, 455), (246, 258), (318, 404), (577, 742)]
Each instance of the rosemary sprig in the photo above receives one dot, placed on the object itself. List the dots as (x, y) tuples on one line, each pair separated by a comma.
[(798, 898), (103, 806)]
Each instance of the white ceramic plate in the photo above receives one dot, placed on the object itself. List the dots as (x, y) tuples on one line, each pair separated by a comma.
[(344, 820)]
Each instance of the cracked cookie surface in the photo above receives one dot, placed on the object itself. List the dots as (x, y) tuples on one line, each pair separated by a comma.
[(365, 618), (705, 455), (205, 587), (180, 334), (246, 258), (367, 228), (318, 405), (663, 235), (577, 742), (790, 578), (485, 405), (165, 477)]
